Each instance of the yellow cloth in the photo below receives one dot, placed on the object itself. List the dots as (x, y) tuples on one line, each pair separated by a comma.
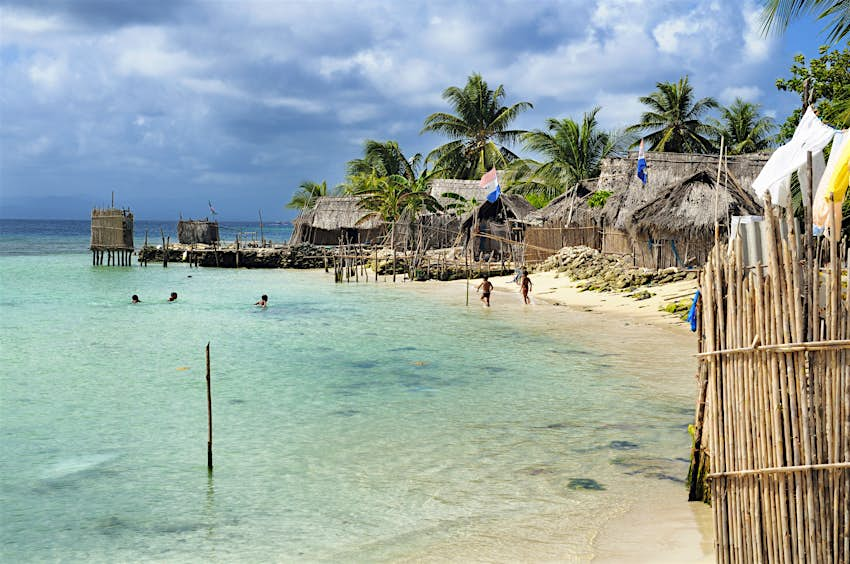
[(840, 178)]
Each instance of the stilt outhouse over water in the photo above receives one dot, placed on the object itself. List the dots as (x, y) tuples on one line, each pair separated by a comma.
[(111, 236)]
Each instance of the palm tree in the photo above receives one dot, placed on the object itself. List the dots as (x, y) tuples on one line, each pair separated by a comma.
[(478, 131), (777, 15), (673, 119), (307, 194), (573, 152), (385, 159), (393, 198), (743, 128)]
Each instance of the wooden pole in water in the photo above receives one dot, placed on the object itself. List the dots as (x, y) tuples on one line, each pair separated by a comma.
[(262, 237), (209, 414), (466, 261)]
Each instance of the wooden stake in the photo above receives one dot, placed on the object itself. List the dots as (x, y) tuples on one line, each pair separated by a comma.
[(209, 414)]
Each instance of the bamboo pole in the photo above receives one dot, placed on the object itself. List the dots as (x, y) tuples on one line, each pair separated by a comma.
[(209, 415)]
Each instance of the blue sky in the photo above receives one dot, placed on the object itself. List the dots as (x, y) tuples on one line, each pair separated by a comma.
[(174, 103)]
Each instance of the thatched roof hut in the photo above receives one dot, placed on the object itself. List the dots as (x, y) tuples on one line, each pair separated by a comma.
[(570, 209), (498, 219), (686, 209), (334, 218), (619, 176), (193, 231)]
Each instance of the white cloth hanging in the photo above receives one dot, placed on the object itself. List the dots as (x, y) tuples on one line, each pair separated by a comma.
[(821, 207), (811, 135)]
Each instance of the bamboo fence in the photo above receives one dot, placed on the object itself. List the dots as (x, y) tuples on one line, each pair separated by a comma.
[(775, 342)]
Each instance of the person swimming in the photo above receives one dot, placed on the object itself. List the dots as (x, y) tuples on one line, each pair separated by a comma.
[(173, 297), (264, 299), (136, 299)]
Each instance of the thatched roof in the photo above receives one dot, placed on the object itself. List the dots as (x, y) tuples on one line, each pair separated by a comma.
[(514, 206), (619, 176), (338, 212), (469, 189), (688, 206), (570, 206)]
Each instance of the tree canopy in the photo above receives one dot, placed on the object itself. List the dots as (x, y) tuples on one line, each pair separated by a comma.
[(479, 130), (672, 122), (572, 151), (827, 79), (307, 194), (743, 128), (777, 15)]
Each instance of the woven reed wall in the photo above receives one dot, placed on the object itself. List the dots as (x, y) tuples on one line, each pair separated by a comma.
[(111, 229), (539, 239), (190, 232)]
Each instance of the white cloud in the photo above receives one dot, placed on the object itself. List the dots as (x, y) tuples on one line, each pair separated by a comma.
[(355, 113), (299, 104), (757, 47), (211, 86), (746, 93), (618, 109), (48, 74), (37, 147), (147, 51), (218, 178), (14, 21)]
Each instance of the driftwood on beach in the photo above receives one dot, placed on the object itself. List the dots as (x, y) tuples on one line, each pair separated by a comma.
[(773, 417)]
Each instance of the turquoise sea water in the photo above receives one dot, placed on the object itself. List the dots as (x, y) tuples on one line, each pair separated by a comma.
[(354, 422)]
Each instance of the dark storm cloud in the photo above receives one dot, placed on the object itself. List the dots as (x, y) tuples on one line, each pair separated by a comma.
[(111, 13), (174, 103)]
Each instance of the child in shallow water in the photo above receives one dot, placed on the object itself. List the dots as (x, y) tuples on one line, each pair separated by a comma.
[(136, 299), (173, 297), (264, 299)]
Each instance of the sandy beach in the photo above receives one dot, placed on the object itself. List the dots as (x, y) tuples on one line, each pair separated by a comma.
[(663, 527)]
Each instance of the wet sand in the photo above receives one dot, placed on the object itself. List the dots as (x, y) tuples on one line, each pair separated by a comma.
[(658, 527)]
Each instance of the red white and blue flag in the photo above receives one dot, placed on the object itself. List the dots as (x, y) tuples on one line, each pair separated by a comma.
[(641, 171), (490, 181)]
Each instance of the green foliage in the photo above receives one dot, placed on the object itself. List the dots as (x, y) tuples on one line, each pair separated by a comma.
[(459, 204), (385, 159), (573, 152), (598, 198), (672, 122), (828, 79), (393, 197), (778, 14), (307, 194), (537, 199), (479, 123), (743, 128)]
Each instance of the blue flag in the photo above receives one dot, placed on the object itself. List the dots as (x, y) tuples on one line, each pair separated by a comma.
[(641, 171)]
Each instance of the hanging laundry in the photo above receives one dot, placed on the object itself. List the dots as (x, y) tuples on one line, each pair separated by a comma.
[(811, 135), (839, 181), (821, 206)]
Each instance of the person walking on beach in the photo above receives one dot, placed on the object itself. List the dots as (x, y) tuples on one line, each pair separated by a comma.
[(173, 297), (486, 287), (136, 299), (264, 299), (525, 286)]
